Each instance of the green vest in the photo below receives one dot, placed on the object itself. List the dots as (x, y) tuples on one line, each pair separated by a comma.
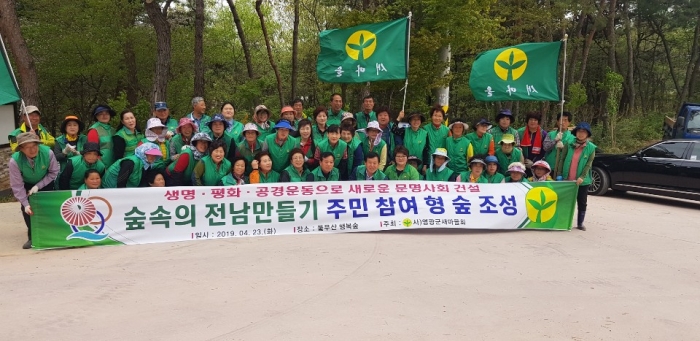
[(244, 151), (176, 144), (334, 118), (171, 124), (361, 174), (280, 154), (480, 145), (409, 173), (229, 180), (32, 175), (498, 133), (352, 147), (265, 132), (566, 138), (105, 131), (79, 169), (318, 136), (131, 141), (318, 175), (110, 178), (62, 142), (362, 120), (390, 142), (294, 175), (587, 154), (524, 179), (212, 174), (504, 160), (236, 132), (443, 175), (366, 144), (494, 179), (340, 148), (415, 141), (436, 136), (187, 175), (457, 151), (466, 177), (270, 178)]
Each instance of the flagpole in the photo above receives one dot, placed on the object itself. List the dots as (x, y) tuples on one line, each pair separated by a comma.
[(561, 110), (408, 55), (23, 108)]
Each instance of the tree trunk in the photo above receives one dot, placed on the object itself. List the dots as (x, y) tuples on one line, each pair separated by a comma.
[(159, 19), (26, 68), (610, 32), (587, 47), (295, 49), (132, 95), (241, 36), (629, 83), (199, 48), (258, 8), (691, 69), (659, 31)]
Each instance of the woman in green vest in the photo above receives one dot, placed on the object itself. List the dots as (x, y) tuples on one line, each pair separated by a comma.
[(492, 175), (438, 170), (306, 143), (217, 130), (459, 147), (251, 146), (237, 175), (91, 180), (157, 134), (296, 172), (338, 147), (128, 135), (211, 168), (320, 121), (355, 152), (73, 174), (578, 160), (71, 142), (261, 118), (437, 131), (235, 128), (416, 163), (507, 153), (517, 172), (482, 141), (401, 170), (179, 173), (373, 142), (183, 139), (101, 132), (32, 168), (475, 174), (415, 138), (131, 171), (280, 144), (325, 171), (262, 169), (504, 125)]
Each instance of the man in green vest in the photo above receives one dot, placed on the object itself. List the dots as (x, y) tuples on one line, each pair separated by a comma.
[(335, 115), (338, 147), (33, 168), (562, 137), (161, 111), (31, 123), (199, 113), (73, 175), (504, 125), (279, 145), (367, 114), (325, 171), (299, 115), (370, 171)]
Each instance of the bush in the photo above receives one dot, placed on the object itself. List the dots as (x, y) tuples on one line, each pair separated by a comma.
[(631, 133)]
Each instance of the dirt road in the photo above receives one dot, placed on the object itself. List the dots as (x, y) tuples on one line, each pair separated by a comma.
[(635, 274)]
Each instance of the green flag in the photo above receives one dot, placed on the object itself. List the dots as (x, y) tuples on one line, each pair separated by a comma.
[(8, 90), (525, 72), (363, 53)]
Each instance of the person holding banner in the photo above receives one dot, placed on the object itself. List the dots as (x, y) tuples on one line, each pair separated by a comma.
[(101, 132), (211, 168), (73, 174), (504, 125), (578, 161), (33, 168), (261, 118), (280, 144), (492, 175), (507, 153), (459, 147), (535, 142), (481, 140), (335, 115), (71, 142), (130, 171), (31, 122), (517, 173), (373, 142), (354, 150), (179, 173), (540, 171), (415, 138), (325, 171), (475, 174), (296, 171), (438, 170), (251, 146), (128, 135), (262, 169), (401, 170), (185, 130), (91, 180), (237, 175), (320, 124), (370, 171), (367, 114), (306, 143)]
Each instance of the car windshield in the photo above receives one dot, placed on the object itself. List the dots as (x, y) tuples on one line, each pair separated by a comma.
[(694, 121)]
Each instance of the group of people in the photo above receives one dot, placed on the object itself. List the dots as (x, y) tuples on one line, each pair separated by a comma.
[(331, 145)]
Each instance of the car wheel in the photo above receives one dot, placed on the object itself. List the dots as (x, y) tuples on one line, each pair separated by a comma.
[(600, 182)]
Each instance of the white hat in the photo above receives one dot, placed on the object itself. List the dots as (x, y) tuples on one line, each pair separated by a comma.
[(441, 152), (251, 127), (373, 125), (154, 122)]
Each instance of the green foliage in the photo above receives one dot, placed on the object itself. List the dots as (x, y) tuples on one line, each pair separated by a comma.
[(631, 133), (577, 97)]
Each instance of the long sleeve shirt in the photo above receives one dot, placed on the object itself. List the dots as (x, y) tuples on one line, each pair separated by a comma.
[(17, 182)]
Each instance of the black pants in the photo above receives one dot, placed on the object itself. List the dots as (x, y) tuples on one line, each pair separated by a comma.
[(27, 217), (582, 198)]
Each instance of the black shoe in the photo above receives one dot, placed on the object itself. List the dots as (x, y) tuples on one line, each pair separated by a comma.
[(582, 228), (27, 245)]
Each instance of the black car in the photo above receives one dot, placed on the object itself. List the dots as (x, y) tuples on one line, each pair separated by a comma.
[(669, 168)]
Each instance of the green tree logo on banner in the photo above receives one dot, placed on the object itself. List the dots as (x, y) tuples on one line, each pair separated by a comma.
[(510, 64), (361, 45), (541, 204)]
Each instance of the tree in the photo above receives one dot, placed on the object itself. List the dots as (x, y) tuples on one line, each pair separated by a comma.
[(258, 9), (198, 48), (159, 19), (295, 49), (241, 36), (26, 68)]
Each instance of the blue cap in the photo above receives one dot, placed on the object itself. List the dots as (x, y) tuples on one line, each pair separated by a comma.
[(283, 124), (491, 159), (160, 106), (482, 121), (219, 118), (585, 126)]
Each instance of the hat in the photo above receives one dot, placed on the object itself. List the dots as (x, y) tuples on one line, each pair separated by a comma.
[(585, 126), (160, 106), (154, 152), (287, 108), (32, 108), (491, 159), (185, 121), (91, 147), (103, 107), (251, 127), (542, 164), (414, 114), (415, 158), (477, 160), (154, 122), (81, 125), (505, 113), (25, 138), (458, 121), (260, 108), (441, 152), (200, 137), (373, 125), (347, 116), (517, 167), (283, 124), (507, 139), (482, 121), (218, 118)]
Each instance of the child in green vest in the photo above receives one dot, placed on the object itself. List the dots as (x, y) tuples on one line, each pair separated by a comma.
[(578, 160), (438, 170), (73, 174)]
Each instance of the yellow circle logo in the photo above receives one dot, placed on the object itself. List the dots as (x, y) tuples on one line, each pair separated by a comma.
[(361, 45), (541, 204), (510, 64), (407, 222)]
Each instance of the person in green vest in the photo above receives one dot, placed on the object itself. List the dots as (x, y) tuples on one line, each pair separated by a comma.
[(71, 142), (320, 124), (261, 118), (540, 171), (199, 114), (299, 115), (179, 172), (156, 133), (32, 168), (306, 143), (475, 174), (415, 138), (161, 111), (354, 149), (367, 114), (101, 132), (373, 142), (561, 136), (389, 130), (235, 128), (216, 128), (578, 161), (237, 175), (325, 171), (459, 147), (338, 147), (370, 170), (401, 170), (262, 169), (335, 115), (183, 140), (416, 163), (517, 172), (438, 170), (213, 167), (128, 135), (73, 174), (437, 131), (492, 175), (251, 146), (349, 120), (31, 122), (504, 125), (481, 140), (507, 153), (131, 171), (280, 144), (296, 171), (91, 180), (287, 114)]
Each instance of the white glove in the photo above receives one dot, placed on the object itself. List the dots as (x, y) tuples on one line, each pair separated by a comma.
[(28, 210), (184, 148), (169, 134), (559, 136), (528, 163), (67, 150), (560, 145), (33, 190)]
